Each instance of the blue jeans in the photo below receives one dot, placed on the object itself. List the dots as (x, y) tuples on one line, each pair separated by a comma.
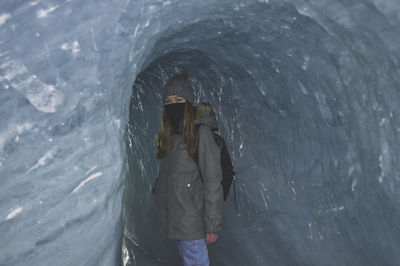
[(193, 252)]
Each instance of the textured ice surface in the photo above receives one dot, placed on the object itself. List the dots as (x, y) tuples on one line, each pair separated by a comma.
[(307, 97)]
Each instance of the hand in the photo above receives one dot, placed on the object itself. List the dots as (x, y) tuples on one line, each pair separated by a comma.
[(210, 238)]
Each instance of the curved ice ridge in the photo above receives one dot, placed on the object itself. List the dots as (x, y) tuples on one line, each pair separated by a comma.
[(307, 97)]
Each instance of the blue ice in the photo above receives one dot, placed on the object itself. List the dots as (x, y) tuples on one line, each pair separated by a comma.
[(307, 98)]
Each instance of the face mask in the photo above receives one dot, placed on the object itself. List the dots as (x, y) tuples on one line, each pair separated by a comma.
[(175, 112)]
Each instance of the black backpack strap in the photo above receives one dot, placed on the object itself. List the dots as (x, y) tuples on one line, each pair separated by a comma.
[(219, 140), (227, 167)]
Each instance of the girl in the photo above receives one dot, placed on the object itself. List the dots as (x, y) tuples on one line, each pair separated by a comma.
[(188, 191)]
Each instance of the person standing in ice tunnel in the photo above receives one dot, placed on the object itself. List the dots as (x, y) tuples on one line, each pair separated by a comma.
[(188, 191)]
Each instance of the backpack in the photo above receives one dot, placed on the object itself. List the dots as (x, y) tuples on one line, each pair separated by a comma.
[(228, 175)]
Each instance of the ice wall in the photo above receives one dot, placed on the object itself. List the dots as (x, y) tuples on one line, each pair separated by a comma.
[(307, 97)]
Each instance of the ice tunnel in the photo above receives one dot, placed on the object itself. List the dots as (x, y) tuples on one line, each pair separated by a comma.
[(307, 98)]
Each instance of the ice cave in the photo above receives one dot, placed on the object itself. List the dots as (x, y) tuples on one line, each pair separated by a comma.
[(306, 94)]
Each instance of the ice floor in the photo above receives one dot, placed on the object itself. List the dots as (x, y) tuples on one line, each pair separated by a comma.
[(307, 98)]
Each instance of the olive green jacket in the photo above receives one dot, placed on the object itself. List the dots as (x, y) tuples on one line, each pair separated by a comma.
[(189, 195)]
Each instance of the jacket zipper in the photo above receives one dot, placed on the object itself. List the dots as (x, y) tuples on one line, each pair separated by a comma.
[(166, 192)]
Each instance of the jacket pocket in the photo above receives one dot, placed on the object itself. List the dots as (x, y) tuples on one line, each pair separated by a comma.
[(187, 199), (195, 193)]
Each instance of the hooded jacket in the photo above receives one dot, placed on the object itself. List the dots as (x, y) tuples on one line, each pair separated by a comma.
[(226, 162), (189, 195)]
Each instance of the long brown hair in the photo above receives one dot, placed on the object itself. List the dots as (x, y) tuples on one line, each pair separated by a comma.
[(188, 128)]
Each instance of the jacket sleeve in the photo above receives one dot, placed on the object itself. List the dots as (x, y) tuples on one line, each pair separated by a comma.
[(210, 169)]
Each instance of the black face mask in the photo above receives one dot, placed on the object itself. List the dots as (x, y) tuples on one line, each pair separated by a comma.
[(175, 112)]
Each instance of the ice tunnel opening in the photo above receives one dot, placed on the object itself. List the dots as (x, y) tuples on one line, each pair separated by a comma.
[(230, 84), (300, 83), (143, 124), (241, 76)]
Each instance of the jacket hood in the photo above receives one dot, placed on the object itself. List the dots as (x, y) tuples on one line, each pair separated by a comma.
[(207, 119)]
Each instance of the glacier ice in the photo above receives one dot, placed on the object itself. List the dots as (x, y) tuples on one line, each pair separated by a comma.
[(307, 97)]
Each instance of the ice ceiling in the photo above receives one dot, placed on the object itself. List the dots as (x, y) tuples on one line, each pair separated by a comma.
[(306, 94)]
